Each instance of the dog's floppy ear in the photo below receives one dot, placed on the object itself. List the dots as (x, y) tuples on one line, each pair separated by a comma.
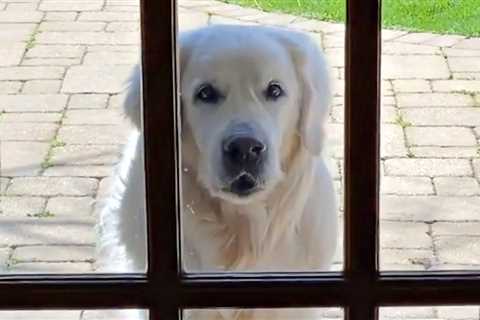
[(132, 103), (315, 93)]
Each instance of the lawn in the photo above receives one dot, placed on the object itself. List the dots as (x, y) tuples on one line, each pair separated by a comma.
[(439, 16)]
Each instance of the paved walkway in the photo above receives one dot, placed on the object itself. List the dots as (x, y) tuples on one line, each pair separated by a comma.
[(62, 65)]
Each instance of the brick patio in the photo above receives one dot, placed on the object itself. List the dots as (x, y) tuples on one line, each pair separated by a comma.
[(62, 69)]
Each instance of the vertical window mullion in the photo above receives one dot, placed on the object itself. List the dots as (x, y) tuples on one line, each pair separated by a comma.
[(362, 135), (161, 142)]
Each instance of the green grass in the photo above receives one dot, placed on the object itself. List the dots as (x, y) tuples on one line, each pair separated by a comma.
[(439, 16)]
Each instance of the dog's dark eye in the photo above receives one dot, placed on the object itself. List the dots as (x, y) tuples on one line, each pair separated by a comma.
[(274, 91), (207, 94)]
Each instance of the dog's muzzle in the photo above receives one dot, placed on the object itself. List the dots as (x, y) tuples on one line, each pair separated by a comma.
[(243, 157)]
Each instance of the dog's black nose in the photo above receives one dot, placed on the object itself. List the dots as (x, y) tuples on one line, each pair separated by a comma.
[(243, 153)]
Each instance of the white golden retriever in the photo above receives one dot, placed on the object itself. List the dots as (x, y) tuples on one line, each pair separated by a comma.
[(257, 195)]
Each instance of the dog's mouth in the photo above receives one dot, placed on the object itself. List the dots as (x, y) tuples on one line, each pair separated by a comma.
[(243, 185)]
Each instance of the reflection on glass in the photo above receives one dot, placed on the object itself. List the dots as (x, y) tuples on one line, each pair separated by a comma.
[(430, 312), (261, 146), (117, 314), (61, 131), (430, 191), (284, 313)]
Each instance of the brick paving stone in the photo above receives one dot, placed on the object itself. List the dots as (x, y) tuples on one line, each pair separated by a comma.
[(52, 186), (403, 258), (458, 312), (428, 167), (414, 67), (21, 206), (88, 101), (122, 8), (444, 40), (22, 6), (449, 186), (123, 26), (108, 79), (98, 171), (401, 235), (406, 100), (443, 116), (16, 32), (55, 51), (113, 48), (456, 229), (392, 141), (70, 206), (88, 38), (72, 26), (51, 62), (458, 249), (4, 256), (100, 134), (466, 75), (31, 73), (60, 16), (92, 117), (116, 100), (416, 37), (406, 185), (472, 43), (104, 188), (65, 5), (429, 208), (108, 315), (108, 16), (20, 16), (456, 267), (3, 184), (464, 64), (476, 168), (39, 231), (388, 114), (397, 48), (461, 52), (317, 26), (411, 86), (190, 20), (407, 312), (85, 155), (11, 53), (107, 58), (444, 152), (22, 158), (40, 315), (214, 19), (8, 87), (41, 86), (32, 117), (456, 85), (53, 267), (53, 253), (440, 136), (27, 131)]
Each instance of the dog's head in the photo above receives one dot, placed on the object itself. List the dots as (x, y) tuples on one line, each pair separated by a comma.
[(247, 93)]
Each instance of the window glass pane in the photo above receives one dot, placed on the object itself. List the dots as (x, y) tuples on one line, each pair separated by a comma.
[(62, 80), (73, 314), (262, 146), (430, 191), (291, 313), (430, 312)]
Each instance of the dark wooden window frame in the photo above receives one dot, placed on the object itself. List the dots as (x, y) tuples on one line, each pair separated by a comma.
[(360, 290)]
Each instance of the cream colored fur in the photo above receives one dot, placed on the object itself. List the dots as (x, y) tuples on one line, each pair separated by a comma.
[(289, 226)]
